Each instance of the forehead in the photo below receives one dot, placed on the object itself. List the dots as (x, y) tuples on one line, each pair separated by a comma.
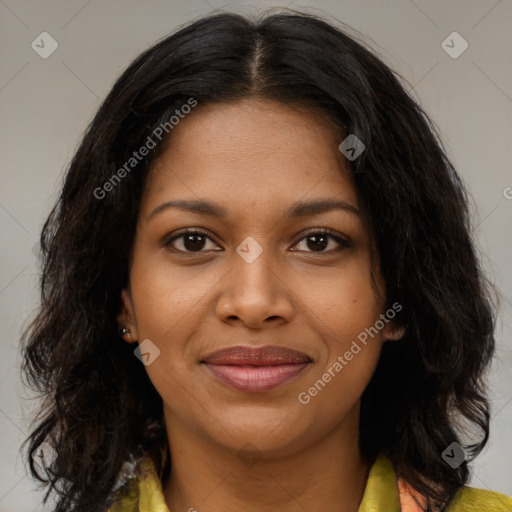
[(248, 152)]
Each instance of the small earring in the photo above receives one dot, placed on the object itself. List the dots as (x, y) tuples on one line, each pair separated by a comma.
[(124, 331)]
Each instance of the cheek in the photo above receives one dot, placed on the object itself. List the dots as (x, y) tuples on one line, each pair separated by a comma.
[(168, 304), (345, 309), (351, 349), (343, 300), (166, 298)]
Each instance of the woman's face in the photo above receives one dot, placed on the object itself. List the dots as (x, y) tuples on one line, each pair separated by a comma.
[(256, 276)]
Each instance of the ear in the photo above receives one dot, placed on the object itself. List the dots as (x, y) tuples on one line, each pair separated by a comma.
[(125, 317), (393, 331)]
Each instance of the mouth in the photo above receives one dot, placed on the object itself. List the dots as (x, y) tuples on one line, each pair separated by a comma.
[(255, 370)]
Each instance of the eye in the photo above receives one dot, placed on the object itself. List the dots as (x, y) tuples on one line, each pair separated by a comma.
[(318, 240), (189, 241), (195, 240)]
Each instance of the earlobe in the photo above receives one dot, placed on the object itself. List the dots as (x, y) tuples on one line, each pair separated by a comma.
[(393, 332), (126, 334), (127, 329)]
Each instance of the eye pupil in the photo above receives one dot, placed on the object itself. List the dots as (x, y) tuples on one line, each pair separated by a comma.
[(321, 240), (191, 242)]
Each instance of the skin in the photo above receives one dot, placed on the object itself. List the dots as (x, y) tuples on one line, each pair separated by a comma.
[(256, 158)]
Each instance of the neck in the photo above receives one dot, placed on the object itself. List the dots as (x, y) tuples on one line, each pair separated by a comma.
[(327, 476)]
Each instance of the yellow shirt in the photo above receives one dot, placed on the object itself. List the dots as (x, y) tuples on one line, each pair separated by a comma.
[(383, 493)]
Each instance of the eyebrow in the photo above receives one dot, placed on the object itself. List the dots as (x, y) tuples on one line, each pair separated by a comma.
[(301, 209)]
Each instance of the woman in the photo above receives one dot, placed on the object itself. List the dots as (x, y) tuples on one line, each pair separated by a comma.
[(259, 288)]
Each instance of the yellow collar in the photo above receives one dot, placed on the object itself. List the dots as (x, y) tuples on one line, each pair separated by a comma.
[(383, 493)]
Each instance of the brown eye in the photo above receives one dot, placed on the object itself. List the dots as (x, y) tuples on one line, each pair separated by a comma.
[(318, 241), (189, 241)]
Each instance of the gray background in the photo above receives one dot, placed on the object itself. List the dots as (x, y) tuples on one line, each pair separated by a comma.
[(45, 104)]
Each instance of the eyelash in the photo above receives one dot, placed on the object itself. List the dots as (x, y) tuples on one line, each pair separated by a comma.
[(314, 231)]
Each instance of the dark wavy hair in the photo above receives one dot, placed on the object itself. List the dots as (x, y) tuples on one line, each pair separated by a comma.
[(100, 409)]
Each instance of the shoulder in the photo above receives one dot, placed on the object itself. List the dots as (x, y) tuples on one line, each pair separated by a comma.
[(469, 499)]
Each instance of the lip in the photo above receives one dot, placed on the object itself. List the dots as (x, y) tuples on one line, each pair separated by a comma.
[(252, 369), (268, 355)]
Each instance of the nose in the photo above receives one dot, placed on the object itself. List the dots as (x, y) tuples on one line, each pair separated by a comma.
[(255, 292)]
